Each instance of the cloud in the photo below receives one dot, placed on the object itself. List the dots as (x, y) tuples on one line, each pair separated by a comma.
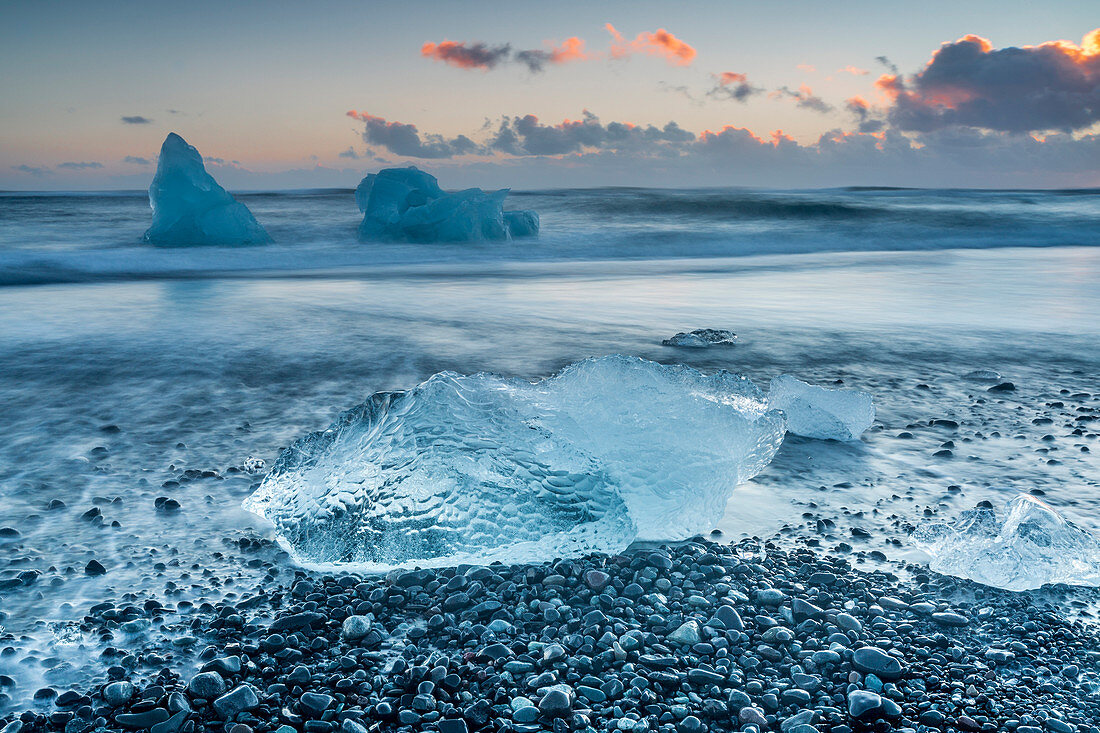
[(571, 49), (349, 153), (855, 71), (79, 166), (464, 55), (861, 109), (968, 82), (400, 138), (483, 56), (136, 120), (733, 85), (806, 67), (589, 151), (31, 170), (804, 98), (658, 43), (890, 65), (523, 136), (136, 160)]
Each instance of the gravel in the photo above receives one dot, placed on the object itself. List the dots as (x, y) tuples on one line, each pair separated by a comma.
[(686, 639)]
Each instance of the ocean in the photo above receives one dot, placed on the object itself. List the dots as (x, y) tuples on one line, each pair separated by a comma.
[(130, 373)]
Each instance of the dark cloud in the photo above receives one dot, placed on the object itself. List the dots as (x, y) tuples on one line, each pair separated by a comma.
[(482, 56), (467, 55), (30, 170), (733, 85), (866, 117), (1053, 86), (805, 98), (136, 160), (79, 166), (523, 136), (404, 139), (350, 154), (136, 120), (890, 65)]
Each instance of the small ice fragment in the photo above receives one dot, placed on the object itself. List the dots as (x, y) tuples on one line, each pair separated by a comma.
[(1033, 546), (253, 464), (701, 338), (407, 205), (475, 469), (819, 412), (189, 207), (983, 375)]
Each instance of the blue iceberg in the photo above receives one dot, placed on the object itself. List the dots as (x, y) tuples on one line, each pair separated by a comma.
[(819, 412), (407, 205), (480, 468), (189, 207)]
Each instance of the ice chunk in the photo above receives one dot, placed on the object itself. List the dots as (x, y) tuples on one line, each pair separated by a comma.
[(701, 338), (407, 205), (1032, 547), (521, 223), (189, 207), (818, 412), (467, 216), (474, 469)]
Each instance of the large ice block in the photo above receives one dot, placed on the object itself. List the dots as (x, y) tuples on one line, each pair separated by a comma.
[(407, 205), (818, 412), (479, 468), (189, 207), (1032, 546)]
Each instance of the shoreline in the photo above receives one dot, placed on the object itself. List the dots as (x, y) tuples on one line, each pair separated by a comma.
[(694, 637)]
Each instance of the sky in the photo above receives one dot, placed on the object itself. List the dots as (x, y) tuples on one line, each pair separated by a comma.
[(281, 95)]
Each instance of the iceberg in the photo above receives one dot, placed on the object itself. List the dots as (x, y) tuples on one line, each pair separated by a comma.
[(701, 338), (407, 205), (189, 207), (480, 468), (819, 412), (1033, 546)]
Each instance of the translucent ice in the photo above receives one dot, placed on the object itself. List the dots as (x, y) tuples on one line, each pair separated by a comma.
[(473, 469), (189, 207), (1034, 545), (701, 338), (407, 205), (818, 412), (521, 223)]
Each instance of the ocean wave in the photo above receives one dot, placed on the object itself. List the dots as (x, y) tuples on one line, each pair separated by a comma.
[(65, 238)]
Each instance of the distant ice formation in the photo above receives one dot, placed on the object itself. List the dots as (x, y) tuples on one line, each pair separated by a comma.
[(407, 205), (818, 412), (189, 207), (474, 469), (701, 338), (1033, 546)]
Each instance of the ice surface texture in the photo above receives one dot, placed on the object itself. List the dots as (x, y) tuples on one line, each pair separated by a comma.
[(818, 412), (701, 338), (189, 207), (1032, 547), (473, 469), (407, 205)]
